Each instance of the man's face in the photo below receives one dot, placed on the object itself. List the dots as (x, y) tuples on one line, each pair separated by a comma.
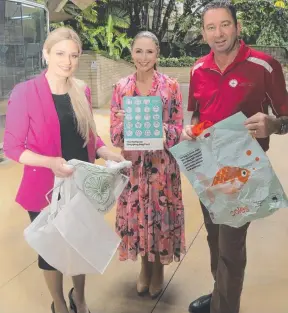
[(219, 30)]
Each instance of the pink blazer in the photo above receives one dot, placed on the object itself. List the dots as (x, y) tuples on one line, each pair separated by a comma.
[(32, 123)]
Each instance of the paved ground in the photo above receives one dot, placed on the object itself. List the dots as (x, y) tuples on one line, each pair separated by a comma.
[(22, 287)]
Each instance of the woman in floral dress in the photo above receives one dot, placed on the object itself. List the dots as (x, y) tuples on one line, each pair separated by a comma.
[(150, 213)]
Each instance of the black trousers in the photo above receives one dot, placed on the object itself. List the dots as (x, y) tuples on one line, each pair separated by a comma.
[(43, 265)]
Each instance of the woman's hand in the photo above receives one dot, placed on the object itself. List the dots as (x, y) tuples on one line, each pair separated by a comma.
[(107, 154), (59, 167), (165, 129), (116, 157), (120, 114)]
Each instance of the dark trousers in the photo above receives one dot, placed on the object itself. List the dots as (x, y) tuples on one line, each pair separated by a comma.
[(228, 261)]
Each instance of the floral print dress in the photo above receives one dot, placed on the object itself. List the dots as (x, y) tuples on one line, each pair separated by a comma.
[(150, 212)]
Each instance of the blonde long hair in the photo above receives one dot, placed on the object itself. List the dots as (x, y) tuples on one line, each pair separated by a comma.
[(79, 101)]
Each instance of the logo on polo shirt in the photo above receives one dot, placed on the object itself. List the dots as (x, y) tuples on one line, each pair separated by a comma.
[(233, 83)]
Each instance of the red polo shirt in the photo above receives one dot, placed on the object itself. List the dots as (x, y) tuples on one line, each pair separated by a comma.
[(250, 84)]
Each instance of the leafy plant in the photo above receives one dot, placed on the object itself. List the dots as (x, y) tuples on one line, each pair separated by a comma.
[(108, 38), (172, 62), (100, 26), (262, 22), (120, 16), (185, 61), (89, 14)]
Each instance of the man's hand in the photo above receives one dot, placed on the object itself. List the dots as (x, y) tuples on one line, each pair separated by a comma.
[(187, 133), (262, 125)]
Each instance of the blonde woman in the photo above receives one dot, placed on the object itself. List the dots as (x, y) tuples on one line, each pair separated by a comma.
[(49, 121)]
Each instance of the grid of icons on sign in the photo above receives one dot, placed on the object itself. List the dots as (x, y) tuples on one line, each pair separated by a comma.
[(143, 117)]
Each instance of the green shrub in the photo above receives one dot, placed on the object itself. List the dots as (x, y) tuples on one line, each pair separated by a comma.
[(171, 62), (127, 58), (177, 62)]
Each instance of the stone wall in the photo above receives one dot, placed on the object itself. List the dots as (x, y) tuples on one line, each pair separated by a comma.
[(101, 73)]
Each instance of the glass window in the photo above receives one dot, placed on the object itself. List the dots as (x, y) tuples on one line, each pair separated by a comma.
[(22, 33), (34, 29), (11, 48), (23, 29)]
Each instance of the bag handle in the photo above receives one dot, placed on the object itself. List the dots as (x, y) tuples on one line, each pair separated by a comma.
[(62, 186), (58, 182)]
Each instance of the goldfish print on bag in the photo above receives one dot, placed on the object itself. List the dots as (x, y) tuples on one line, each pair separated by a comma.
[(228, 180), (236, 176)]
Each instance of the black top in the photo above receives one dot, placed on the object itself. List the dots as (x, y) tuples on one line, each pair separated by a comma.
[(71, 141)]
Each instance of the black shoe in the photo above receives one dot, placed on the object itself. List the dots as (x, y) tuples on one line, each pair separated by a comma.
[(72, 303), (201, 305)]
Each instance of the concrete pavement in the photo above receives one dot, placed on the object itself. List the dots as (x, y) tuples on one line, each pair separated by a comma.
[(22, 287)]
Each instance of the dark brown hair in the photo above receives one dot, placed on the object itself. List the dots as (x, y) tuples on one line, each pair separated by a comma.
[(153, 37), (221, 4)]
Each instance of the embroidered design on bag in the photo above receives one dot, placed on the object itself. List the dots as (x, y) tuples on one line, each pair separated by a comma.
[(97, 186)]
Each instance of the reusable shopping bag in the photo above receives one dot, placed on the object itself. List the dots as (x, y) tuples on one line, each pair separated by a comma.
[(71, 233), (230, 173)]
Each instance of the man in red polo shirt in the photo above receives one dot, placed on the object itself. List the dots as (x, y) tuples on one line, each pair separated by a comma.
[(232, 78)]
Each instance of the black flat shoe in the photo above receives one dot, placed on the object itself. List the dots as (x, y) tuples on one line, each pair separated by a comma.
[(72, 303), (52, 307), (201, 305)]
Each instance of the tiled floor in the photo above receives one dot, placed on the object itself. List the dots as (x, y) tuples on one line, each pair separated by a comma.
[(22, 288)]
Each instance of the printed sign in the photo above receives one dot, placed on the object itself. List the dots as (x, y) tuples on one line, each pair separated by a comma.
[(143, 127), (93, 65)]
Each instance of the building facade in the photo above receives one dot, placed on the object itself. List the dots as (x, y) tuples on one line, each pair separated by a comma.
[(23, 28)]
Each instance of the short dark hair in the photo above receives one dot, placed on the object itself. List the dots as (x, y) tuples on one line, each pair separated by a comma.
[(221, 4)]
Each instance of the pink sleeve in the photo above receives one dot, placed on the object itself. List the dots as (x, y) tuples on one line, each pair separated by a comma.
[(116, 126), (17, 123), (99, 143), (175, 122)]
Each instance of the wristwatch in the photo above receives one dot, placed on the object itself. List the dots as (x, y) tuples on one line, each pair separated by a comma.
[(283, 126)]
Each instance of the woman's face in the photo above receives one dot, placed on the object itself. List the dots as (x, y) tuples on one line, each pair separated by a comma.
[(63, 58), (144, 54)]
